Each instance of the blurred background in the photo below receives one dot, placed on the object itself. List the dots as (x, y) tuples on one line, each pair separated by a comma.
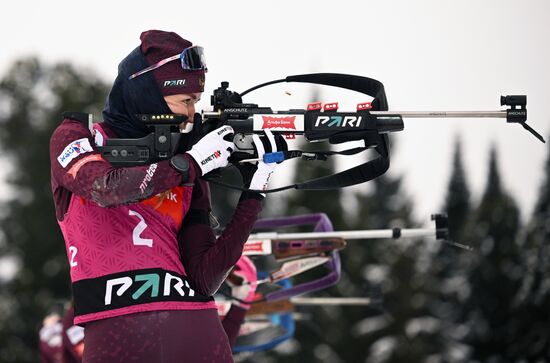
[(439, 303)]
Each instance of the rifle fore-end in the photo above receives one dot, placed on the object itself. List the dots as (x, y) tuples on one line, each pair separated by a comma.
[(284, 249)]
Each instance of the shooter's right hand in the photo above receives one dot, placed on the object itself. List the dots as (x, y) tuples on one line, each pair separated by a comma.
[(214, 149), (256, 175)]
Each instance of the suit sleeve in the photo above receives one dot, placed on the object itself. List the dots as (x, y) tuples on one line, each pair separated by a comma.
[(207, 259), (77, 166), (232, 323)]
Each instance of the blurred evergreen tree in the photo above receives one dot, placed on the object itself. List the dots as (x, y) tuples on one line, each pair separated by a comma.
[(457, 202), (494, 272), (448, 265), (399, 270), (532, 318), (33, 96)]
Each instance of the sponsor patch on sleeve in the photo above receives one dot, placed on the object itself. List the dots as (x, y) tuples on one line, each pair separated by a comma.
[(73, 150)]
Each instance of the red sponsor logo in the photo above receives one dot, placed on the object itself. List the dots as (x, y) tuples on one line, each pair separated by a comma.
[(272, 122), (331, 106), (364, 106), (314, 106)]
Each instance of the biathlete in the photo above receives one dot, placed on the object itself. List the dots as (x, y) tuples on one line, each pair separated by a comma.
[(144, 260)]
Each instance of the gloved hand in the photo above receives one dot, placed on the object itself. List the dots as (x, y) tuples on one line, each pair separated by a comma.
[(245, 289), (256, 176), (214, 149)]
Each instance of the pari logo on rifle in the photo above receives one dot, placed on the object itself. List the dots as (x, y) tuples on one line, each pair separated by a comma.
[(344, 121)]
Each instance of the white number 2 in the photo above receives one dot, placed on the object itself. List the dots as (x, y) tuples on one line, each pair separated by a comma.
[(138, 240), (73, 251)]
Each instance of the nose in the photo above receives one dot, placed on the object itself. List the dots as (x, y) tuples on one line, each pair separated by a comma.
[(191, 111)]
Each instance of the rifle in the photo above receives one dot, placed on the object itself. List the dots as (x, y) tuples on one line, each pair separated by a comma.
[(289, 305), (281, 247), (285, 245), (371, 123), (275, 309), (265, 244), (270, 323)]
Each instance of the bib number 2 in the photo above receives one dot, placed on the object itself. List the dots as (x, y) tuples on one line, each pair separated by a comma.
[(138, 230), (73, 251)]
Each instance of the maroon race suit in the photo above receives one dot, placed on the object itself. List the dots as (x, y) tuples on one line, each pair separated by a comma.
[(141, 250)]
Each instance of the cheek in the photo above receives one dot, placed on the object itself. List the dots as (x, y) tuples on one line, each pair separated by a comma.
[(178, 108), (172, 106)]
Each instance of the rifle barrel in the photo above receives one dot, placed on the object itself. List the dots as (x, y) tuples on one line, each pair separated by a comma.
[(331, 301), (442, 114), (420, 114), (370, 234)]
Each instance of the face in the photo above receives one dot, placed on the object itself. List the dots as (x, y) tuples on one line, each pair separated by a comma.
[(183, 104)]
